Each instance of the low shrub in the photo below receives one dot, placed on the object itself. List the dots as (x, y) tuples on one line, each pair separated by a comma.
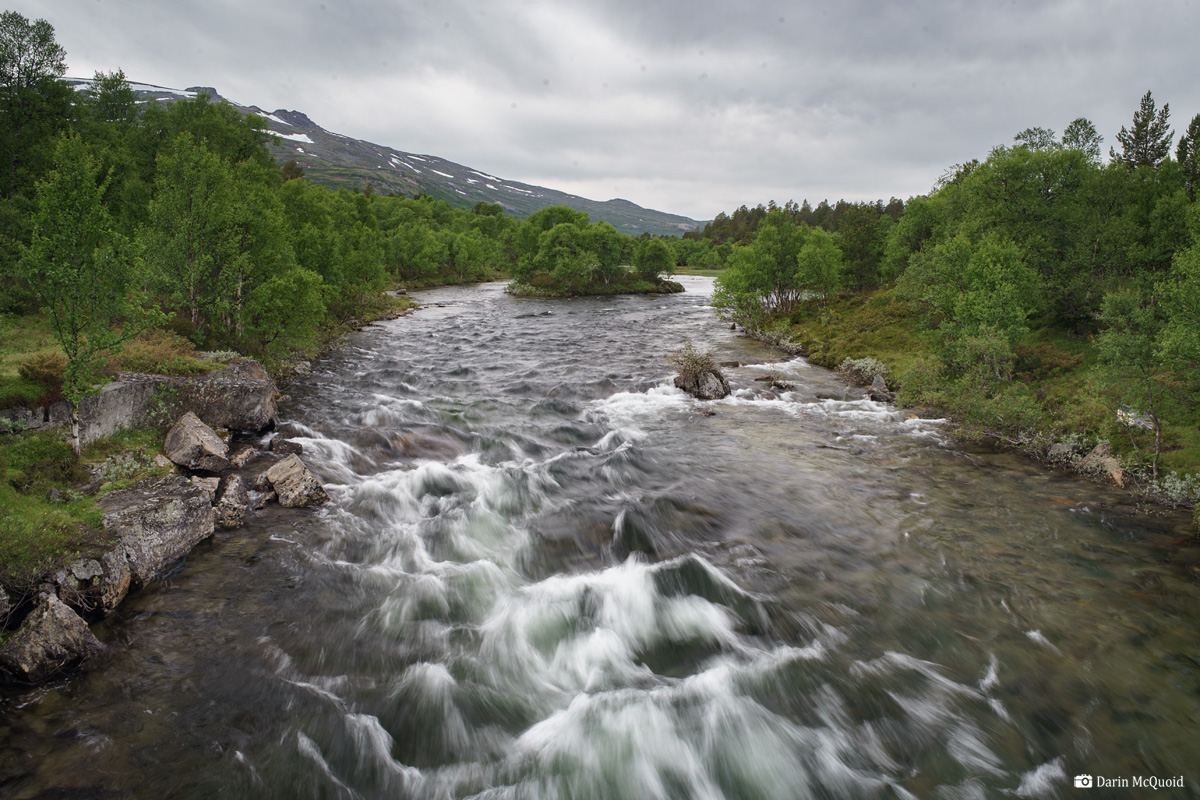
[(159, 352), (46, 368), (861, 371), (692, 362)]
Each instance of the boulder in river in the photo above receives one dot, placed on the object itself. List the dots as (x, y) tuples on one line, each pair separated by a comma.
[(51, 638), (233, 498), (295, 484), (707, 385), (286, 447), (193, 445), (157, 522)]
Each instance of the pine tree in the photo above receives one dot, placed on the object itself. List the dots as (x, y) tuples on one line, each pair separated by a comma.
[(1188, 155), (1149, 142)]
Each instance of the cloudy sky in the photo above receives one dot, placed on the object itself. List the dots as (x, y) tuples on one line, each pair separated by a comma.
[(687, 106)]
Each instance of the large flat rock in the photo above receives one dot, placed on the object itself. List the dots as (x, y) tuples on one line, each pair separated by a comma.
[(157, 522)]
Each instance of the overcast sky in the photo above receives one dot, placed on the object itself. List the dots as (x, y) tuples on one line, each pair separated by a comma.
[(686, 106)]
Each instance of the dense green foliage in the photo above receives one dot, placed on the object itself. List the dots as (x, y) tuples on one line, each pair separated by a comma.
[(115, 215), (559, 252), (1039, 291)]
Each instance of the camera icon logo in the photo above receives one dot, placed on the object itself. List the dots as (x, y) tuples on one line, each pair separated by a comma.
[(1083, 781)]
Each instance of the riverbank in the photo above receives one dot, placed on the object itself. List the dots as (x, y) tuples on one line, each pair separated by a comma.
[(1055, 410)]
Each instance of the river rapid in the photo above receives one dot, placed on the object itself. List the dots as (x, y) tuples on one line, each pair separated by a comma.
[(546, 573)]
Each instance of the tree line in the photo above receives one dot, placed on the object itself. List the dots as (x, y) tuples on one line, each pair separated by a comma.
[(1043, 233)]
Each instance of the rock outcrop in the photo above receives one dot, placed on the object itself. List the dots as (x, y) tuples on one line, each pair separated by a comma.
[(157, 522), (51, 638), (295, 484), (707, 385), (193, 445)]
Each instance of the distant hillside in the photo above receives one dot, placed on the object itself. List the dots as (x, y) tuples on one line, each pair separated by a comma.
[(340, 161)]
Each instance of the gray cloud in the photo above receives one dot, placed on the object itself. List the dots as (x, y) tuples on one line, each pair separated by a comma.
[(690, 107)]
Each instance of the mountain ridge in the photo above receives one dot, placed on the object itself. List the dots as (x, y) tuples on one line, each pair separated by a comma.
[(341, 161)]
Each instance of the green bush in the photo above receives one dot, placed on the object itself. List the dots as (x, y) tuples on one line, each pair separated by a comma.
[(861, 371)]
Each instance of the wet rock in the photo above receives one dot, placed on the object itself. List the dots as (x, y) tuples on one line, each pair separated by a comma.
[(1101, 463), (243, 457), (233, 498), (261, 483), (52, 638), (731, 364), (295, 484), (265, 499), (157, 522), (286, 447), (709, 385), (878, 391), (111, 587), (193, 445)]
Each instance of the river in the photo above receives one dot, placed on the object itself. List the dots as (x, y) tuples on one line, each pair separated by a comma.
[(546, 573)]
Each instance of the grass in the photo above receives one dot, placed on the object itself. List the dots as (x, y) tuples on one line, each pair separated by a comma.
[(1056, 392), (45, 518), (21, 336)]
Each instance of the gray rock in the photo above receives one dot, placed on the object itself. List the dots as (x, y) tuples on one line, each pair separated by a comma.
[(51, 638), (710, 385), (157, 522), (286, 447), (240, 397), (207, 485), (193, 445), (1061, 452), (110, 589), (6, 606), (295, 484), (233, 499), (265, 499), (243, 457)]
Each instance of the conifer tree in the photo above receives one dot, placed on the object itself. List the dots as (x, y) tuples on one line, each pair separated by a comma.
[(1149, 142)]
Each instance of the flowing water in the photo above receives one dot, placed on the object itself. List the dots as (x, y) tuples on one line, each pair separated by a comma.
[(546, 573)]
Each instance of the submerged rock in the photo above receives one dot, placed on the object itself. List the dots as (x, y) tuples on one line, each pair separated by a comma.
[(52, 638), (243, 457), (193, 445), (709, 385), (295, 484)]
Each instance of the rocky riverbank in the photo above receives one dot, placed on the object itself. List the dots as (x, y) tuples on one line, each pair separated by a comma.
[(150, 526)]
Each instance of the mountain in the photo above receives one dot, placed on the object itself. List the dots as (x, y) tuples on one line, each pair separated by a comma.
[(340, 161)]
